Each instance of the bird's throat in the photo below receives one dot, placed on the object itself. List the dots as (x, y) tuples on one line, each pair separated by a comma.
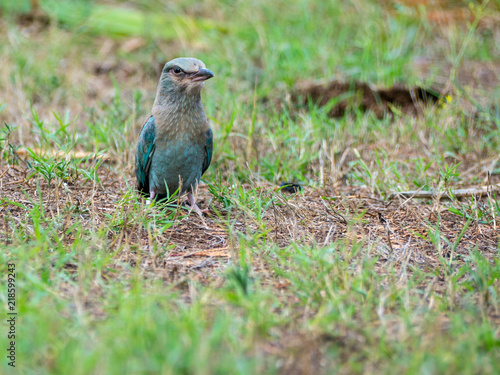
[(179, 114)]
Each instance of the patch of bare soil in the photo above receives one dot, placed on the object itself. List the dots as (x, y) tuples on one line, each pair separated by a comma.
[(34, 21), (360, 95)]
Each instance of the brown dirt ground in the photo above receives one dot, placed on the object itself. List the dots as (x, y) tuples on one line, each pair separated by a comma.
[(408, 100), (397, 230)]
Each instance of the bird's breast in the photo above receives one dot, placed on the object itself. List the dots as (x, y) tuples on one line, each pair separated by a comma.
[(175, 122), (175, 160)]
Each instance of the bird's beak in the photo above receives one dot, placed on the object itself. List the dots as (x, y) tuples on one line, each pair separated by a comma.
[(202, 75)]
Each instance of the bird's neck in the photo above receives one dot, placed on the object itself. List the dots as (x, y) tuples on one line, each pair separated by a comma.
[(178, 113)]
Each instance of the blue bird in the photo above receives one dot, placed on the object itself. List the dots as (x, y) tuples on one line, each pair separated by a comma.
[(176, 143)]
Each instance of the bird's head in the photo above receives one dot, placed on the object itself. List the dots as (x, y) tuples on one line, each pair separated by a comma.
[(185, 74)]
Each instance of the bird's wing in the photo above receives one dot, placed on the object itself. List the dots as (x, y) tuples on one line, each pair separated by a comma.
[(144, 154), (209, 146)]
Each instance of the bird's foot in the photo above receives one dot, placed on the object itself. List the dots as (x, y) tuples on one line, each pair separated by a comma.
[(199, 211), (194, 206)]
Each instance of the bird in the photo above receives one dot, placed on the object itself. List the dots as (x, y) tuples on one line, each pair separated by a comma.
[(175, 145)]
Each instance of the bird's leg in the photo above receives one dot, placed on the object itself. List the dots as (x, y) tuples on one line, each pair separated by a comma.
[(194, 206), (152, 195)]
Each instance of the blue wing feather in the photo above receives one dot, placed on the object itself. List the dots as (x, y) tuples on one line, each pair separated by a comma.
[(209, 146), (144, 154)]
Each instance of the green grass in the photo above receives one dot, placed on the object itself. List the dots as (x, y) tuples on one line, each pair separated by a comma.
[(311, 284)]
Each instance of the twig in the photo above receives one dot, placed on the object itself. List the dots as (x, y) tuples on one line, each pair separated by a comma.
[(202, 264), (386, 224), (22, 152), (449, 194), (341, 219), (491, 202), (13, 182), (275, 222), (327, 238), (197, 252)]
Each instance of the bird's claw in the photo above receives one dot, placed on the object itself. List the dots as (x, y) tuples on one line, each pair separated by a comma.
[(200, 211), (194, 206)]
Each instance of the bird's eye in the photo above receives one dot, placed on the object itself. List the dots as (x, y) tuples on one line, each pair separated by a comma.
[(177, 70)]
